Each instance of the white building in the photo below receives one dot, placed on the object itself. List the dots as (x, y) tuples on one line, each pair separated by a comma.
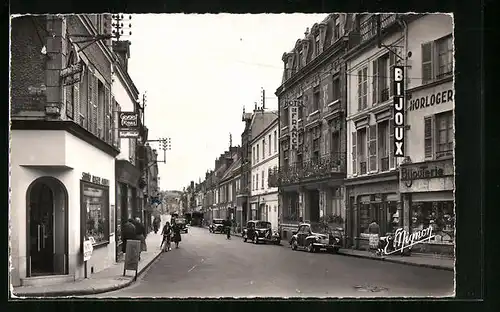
[(62, 152), (372, 188), (264, 199), (427, 177)]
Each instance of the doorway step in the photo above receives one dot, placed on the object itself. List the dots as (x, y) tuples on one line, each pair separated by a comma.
[(47, 280)]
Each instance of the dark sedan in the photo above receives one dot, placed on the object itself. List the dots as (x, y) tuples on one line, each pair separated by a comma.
[(217, 226), (260, 231)]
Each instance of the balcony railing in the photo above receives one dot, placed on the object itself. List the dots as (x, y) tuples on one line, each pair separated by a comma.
[(368, 29), (310, 169), (444, 154), (243, 191)]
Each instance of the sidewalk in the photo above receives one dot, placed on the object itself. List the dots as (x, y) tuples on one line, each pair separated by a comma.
[(422, 260), (106, 280)]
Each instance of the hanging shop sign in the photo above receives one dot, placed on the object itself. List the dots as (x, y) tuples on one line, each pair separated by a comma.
[(128, 124), (294, 124), (72, 74), (94, 179)]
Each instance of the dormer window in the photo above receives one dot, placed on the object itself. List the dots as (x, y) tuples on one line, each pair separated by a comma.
[(316, 45), (336, 29)]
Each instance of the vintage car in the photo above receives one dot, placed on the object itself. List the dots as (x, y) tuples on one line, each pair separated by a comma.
[(260, 231), (316, 236), (217, 226), (182, 223)]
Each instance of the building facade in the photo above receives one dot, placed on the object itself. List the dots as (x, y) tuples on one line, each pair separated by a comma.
[(128, 191), (312, 103), (63, 149), (427, 176), (264, 161), (372, 186)]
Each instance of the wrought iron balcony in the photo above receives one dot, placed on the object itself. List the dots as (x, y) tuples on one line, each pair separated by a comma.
[(321, 167), (368, 29), (243, 191)]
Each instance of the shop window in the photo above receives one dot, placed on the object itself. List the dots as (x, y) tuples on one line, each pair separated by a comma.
[(439, 215), (95, 210)]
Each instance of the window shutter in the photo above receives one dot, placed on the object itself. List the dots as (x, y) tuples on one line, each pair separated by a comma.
[(94, 111), (115, 119), (391, 144), (374, 81), (360, 86), (372, 147), (76, 102), (428, 131), (427, 62), (106, 117), (354, 153), (392, 61)]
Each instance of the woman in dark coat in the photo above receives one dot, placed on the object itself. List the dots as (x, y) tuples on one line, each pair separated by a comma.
[(177, 234), (128, 232)]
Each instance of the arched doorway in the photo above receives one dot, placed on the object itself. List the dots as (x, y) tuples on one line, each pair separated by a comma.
[(46, 228)]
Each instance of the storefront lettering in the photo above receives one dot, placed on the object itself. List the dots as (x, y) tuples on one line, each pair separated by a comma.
[(129, 120), (403, 239), (94, 179), (410, 174), (431, 100)]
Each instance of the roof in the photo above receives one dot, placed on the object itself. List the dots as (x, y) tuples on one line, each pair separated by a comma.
[(260, 121), (236, 163)]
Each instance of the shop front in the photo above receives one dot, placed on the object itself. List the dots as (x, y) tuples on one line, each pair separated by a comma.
[(61, 196), (127, 177), (428, 190), (371, 199)]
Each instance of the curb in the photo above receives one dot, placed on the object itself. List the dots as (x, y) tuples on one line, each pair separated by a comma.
[(423, 265), (92, 291)]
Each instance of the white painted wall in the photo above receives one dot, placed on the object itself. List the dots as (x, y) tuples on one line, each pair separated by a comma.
[(127, 104), (353, 65), (269, 194), (426, 29), (59, 149)]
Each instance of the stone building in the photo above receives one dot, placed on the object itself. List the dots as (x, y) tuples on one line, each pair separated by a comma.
[(312, 103), (63, 148)]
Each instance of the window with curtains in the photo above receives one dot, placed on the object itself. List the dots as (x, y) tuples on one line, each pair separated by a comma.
[(383, 145), (362, 88), (361, 144), (437, 59)]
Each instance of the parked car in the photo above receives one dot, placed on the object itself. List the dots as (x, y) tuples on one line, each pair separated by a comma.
[(217, 226), (316, 236), (182, 223), (260, 231)]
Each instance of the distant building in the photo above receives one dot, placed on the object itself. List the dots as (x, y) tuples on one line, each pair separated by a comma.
[(264, 198)]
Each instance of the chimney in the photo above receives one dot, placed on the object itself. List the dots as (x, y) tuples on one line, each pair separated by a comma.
[(122, 49)]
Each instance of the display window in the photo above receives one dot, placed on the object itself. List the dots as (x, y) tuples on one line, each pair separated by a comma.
[(439, 215), (95, 210)]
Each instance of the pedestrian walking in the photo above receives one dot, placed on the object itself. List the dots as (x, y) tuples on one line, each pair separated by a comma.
[(166, 232), (227, 225), (140, 233), (127, 232), (176, 228), (156, 224)]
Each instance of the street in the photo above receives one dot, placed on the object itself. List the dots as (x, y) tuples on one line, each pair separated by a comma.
[(209, 265)]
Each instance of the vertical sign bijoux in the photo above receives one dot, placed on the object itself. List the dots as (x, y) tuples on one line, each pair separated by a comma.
[(294, 122), (399, 117)]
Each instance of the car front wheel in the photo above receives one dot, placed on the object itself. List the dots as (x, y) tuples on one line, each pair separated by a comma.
[(294, 245), (310, 247)]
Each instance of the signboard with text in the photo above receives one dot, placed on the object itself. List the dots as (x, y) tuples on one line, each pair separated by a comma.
[(72, 74), (87, 250), (293, 107), (128, 124)]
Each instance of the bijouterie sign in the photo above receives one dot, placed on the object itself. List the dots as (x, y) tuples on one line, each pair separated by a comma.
[(128, 120)]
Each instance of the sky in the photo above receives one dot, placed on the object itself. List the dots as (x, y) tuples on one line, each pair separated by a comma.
[(198, 72)]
